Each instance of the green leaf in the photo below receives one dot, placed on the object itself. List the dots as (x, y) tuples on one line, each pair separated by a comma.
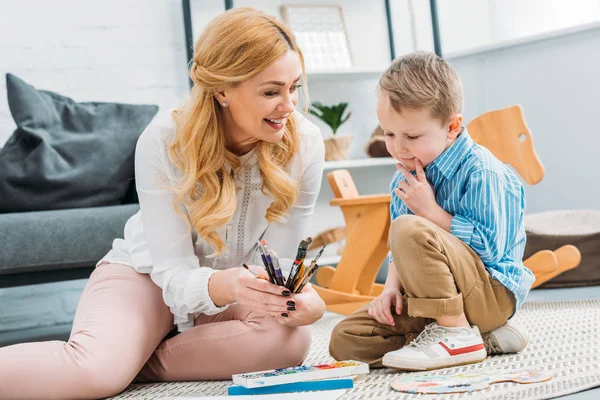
[(331, 115)]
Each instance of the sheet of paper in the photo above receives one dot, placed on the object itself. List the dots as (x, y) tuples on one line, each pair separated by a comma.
[(320, 395)]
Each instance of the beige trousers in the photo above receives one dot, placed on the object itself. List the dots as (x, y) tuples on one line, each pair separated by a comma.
[(441, 276)]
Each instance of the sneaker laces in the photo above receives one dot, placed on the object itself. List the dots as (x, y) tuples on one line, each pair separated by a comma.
[(430, 334), (491, 344)]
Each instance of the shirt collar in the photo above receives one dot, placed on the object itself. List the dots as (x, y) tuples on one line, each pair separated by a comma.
[(447, 162)]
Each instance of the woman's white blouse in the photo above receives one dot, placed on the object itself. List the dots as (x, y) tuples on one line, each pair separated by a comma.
[(159, 242)]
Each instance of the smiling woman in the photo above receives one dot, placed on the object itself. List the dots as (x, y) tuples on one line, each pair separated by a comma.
[(235, 164), (232, 99)]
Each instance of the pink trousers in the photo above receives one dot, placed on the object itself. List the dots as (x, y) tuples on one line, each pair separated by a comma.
[(118, 336)]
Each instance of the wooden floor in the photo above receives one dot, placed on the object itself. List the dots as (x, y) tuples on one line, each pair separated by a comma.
[(46, 308)]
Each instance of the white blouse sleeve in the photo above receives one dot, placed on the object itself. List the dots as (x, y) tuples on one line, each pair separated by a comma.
[(176, 269), (284, 236)]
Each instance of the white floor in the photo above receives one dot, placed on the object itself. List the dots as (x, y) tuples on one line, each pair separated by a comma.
[(68, 299), (582, 293), (591, 292)]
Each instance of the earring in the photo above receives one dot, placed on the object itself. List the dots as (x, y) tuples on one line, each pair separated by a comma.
[(224, 104)]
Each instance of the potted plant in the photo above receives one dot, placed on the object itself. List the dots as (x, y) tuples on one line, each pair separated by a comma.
[(336, 147)]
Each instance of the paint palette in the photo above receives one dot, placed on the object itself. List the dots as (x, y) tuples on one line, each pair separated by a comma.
[(464, 382)]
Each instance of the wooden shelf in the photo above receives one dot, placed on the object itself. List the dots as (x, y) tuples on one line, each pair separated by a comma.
[(360, 163), (346, 74)]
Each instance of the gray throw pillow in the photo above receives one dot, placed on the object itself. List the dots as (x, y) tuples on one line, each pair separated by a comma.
[(66, 154)]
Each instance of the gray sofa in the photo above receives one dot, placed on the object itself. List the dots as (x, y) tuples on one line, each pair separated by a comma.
[(66, 183), (49, 246)]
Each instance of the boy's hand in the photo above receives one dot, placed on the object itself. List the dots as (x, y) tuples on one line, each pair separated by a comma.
[(381, 306), (415, 191)]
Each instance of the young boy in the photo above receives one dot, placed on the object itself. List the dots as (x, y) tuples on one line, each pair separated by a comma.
[(456, 238)]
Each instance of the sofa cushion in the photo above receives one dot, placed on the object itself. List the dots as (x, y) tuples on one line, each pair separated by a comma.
[(66, 154), (62, 239)]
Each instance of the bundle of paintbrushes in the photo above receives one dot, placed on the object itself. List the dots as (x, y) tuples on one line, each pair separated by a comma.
[(299, 275)]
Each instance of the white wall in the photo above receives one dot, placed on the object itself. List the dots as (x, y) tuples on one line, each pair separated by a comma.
[(466, 25), (557, 82), (514, 19), (111, 50)]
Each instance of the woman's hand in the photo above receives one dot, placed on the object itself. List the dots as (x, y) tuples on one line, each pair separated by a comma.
[(308, 308), (260, 295), (381, 306)]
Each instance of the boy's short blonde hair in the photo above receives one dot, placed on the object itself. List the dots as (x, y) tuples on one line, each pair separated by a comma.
[(422, 79)]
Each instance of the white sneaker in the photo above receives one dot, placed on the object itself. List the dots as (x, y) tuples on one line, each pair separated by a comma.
[(438, 347), (509, 338)]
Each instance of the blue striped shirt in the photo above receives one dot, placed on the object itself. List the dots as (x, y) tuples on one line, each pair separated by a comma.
[(487, 202)]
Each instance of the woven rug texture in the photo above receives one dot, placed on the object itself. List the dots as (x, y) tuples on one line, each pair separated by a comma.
[(565, 341)]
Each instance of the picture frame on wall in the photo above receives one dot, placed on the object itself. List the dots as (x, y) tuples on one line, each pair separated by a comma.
[(321, 33)]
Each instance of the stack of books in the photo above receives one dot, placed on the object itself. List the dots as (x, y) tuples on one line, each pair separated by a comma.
[(337, 375)]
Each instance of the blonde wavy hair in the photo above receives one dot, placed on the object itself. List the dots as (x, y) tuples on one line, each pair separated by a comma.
[(234, 47)]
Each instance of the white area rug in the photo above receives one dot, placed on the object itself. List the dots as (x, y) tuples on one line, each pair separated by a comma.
[(565, 341)]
